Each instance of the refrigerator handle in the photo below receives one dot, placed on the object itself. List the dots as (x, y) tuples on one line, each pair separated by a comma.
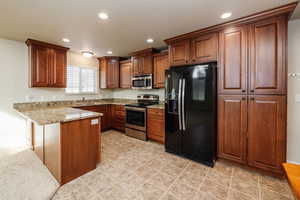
[(179, 103), (183, 105)]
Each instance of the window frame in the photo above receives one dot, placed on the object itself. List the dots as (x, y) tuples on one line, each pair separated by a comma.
[(96, 89)]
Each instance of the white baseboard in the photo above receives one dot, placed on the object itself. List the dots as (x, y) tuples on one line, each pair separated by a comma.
[(288, 161)]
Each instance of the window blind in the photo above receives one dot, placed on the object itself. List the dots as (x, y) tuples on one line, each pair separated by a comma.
[(81, 80)]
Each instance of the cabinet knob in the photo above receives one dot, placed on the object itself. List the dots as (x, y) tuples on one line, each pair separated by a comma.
[(251, 90), (252, 98), (243, 90), (243, 98)]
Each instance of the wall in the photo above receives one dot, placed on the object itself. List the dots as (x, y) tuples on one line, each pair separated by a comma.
[(132, 94), (14, 88), (293, 150)]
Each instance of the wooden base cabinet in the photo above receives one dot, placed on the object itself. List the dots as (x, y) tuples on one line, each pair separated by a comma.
[(252, 130), (232, 127), (267, 132), (156, 124)]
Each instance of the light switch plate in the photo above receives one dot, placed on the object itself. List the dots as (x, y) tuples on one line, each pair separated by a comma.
[(297, 98), (94, 121)]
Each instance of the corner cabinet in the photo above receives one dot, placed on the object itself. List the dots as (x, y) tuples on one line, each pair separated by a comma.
[(47, 64), (109, 72), (160, 65)]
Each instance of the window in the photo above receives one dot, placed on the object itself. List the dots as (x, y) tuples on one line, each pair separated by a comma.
[(81, 80)]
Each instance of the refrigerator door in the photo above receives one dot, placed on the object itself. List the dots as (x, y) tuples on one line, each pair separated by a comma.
[(199, 113), (173, 122)]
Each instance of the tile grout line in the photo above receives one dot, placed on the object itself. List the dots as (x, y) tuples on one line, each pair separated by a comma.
[(168, 189), (230, 184)]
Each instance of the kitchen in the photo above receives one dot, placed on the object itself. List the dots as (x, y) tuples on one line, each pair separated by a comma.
[(178, 121)]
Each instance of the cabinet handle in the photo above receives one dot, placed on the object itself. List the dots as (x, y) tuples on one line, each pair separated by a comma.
[(251, 90), (243, 90), (194, 60), (252, 98), (186, 61)]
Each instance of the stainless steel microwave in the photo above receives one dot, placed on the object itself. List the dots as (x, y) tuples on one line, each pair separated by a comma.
[(142, 82)]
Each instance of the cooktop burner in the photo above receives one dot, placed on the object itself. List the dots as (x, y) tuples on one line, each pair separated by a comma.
[(142, 105)]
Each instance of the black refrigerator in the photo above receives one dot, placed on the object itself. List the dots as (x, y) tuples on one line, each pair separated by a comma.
[(191, 112)]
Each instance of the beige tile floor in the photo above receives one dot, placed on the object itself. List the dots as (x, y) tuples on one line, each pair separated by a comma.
[(135, 170)]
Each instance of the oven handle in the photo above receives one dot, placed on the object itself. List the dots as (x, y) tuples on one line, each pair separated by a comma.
[(179, 104), (135, 109)]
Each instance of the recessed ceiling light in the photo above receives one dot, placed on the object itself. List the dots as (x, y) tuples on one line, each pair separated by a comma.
[(66, 40), (87, 54), (226, 15), (150, 40), (109, 52), (103, 16)]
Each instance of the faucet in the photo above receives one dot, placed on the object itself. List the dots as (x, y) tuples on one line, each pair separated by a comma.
[(83, 99)]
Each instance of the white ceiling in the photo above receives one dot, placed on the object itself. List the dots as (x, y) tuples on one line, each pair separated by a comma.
[(131, 22)]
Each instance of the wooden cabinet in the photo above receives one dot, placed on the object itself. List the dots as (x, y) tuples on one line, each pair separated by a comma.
[(109, 72), (142, 62), (267, 132), (125, 74), (160, 64), (233, 60), (118, 117), (204, 48), (156, 124), (179, 53), (105, 110), (232, 127), (47, 64), (79, 152), (268, 56)]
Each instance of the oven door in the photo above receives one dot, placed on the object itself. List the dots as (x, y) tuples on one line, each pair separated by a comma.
[(136, 118)]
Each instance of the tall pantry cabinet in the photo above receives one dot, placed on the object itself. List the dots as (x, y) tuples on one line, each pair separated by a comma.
[(252, 94)]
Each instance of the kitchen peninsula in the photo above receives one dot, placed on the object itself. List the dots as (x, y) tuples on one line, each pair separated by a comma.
[(67, 140)]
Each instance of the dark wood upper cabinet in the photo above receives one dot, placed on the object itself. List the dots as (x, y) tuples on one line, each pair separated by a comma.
[(233, 60), (232, 125), (109, 72), (160, 64), (47, 64), (268, 56), (125, 74), (204, 48), (179, 52), (142, 62), (267, 132)]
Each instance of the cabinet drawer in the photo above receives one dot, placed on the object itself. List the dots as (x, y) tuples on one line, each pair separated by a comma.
[(156, 111)]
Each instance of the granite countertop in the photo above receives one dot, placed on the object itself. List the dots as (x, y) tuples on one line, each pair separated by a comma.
[(56, 115), (63, 111)]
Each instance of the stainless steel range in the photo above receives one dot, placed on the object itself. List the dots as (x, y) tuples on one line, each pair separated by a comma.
[(136, 116)]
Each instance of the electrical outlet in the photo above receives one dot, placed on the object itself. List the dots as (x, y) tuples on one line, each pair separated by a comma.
[(297, 98)]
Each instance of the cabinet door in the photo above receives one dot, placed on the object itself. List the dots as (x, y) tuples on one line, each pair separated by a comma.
[(267, 132), (161, 63), (205, 48), (39, 66), (58, 60), (78, 151), (267, 56), (147, 64), (135, 66), (233, 61), (156, 125), (179, 53), (125, 75), (113, 73), (103, 73), (232, 125)]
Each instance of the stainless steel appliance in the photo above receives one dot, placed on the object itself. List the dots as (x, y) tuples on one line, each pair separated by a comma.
[(191, 111), (136, 116), (142, 82)]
